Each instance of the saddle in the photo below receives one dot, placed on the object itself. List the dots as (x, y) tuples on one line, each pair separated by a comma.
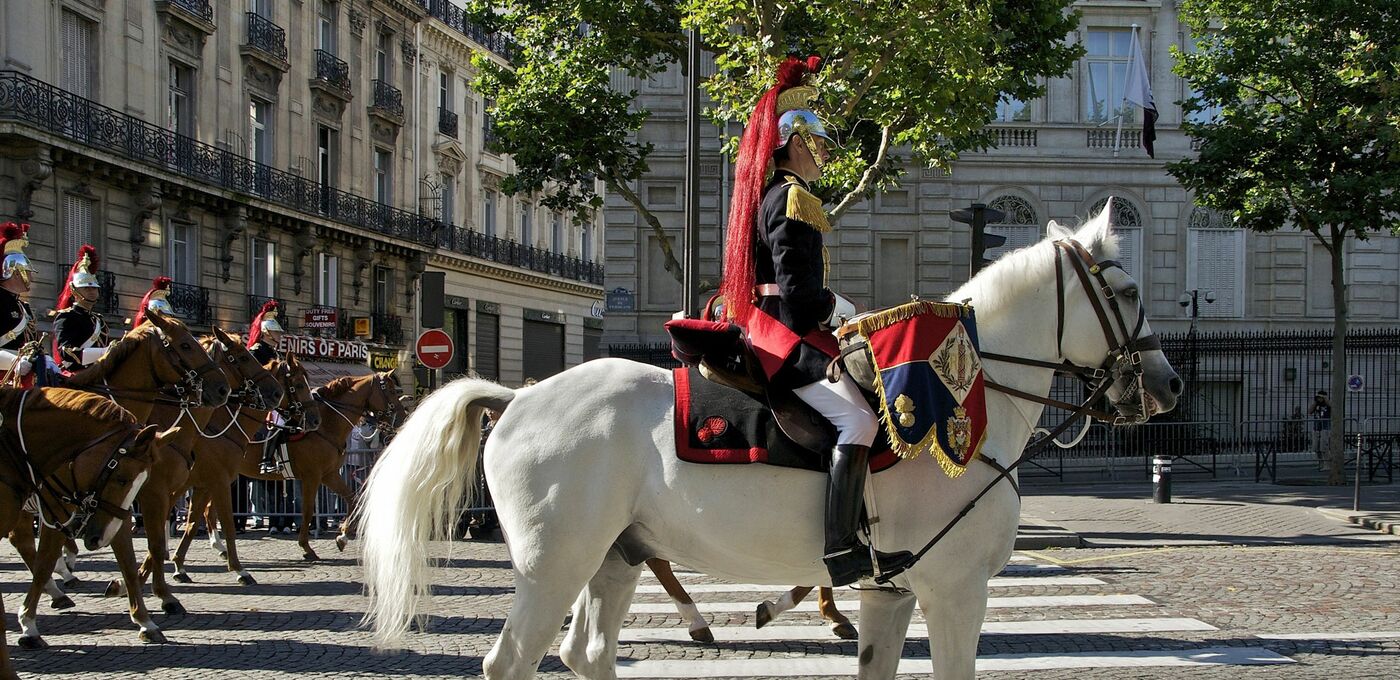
[(727, 412)]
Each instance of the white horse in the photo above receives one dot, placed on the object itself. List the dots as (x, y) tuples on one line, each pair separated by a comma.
[(586, 481)]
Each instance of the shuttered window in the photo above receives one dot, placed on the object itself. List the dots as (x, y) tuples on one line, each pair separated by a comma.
[(488, 345), (1019, 226), (78, 214), (79, 57), (592, 343), (1216, 264), (1130, 251), (544, 349)]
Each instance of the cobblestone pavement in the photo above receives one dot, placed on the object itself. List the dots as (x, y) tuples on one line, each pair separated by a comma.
[(301, 619)]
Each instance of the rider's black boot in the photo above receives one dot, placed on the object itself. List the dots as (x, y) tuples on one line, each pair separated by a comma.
[(847, 559), (268, 464)]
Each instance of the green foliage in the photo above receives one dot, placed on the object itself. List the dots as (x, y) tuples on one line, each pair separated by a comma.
[(923, 75), (1308, 128)]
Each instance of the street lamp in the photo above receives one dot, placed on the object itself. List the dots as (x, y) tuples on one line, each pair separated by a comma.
[(1191, 299)]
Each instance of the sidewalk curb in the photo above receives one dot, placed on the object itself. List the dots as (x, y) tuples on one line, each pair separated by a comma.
[(1037, 534), (1386, 523)]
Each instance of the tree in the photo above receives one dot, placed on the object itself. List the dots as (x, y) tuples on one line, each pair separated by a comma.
[(919, 78), (1307, 132)]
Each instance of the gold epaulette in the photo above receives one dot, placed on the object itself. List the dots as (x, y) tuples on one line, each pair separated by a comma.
[(803, 205)]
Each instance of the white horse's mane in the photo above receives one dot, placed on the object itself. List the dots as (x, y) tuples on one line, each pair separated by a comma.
[(1012, 275)]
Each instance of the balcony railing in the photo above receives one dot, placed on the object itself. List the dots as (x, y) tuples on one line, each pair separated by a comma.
[(191, 303), (108, 302), (202, 9), (48, 108), (1015, 136), (345, 323), (388, 328), (333, 71), (387, 98), (456, 19), (447, 122), (255, 303), (267, 36), (1104, 138), (476, 244)]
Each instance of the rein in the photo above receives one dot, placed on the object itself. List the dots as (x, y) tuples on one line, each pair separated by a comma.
[(1124, 357)]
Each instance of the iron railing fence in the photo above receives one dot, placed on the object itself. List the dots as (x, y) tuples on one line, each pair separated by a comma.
[(267, 36), (191, 303), (203, 9), (333, 70), (447, 122), (388, 328), (456, 19), (476, 244), (46, 107), (386, 98), (255, 303)]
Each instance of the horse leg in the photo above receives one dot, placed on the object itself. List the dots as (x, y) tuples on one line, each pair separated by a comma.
[(699, 627), (840, 625), (543, 595), (199, 503), (217, 530), (154, 565), (50, 546), (22, 538), (126, 561), (590, 646), (309, 487), (222, 508), (884, 623), (767, 610), (337, 485), (954, 627)]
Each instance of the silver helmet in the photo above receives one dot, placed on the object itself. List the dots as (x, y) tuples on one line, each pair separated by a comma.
[(16, 264), (269, 324), (158, 303)]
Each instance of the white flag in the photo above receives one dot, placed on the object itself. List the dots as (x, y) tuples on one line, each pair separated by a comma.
[(1138, 90)]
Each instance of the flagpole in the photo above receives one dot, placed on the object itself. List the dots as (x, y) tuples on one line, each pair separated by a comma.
[(1132, 55)]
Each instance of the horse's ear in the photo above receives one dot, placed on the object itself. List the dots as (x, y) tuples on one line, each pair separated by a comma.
[(168, 435), (1097, 234), (1057, 232), (145, 436)]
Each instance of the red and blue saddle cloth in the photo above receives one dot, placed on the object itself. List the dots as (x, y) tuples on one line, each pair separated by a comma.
[(929, 383)]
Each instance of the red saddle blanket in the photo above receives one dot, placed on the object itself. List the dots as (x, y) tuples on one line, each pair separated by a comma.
[(716, 424)]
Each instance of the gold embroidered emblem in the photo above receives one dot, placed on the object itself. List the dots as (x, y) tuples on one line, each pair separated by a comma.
[(805, 206), (904, 406), (955, 362), (960, 433)]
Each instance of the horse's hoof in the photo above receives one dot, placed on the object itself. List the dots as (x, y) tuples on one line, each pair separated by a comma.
[(246, 580), (223, 554), (310, 556), (341, 542), (845, 631), (33, 643), (763, 615), (64, 602), (702, 635), (114, 589), (154, 637), (72, 583), (172, 607), (182, 577)]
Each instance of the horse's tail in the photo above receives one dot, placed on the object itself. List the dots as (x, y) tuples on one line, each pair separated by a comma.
[(414, 495)]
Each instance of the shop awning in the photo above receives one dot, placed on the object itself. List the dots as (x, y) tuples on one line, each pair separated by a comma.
[(319, 373)]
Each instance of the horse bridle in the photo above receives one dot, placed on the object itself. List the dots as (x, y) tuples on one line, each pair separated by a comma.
[(187, 393), (389, 400), (86, 504)]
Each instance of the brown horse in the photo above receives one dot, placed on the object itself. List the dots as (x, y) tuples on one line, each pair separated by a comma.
[(219, 460), (170, 474), (84, 458), (766, 612)]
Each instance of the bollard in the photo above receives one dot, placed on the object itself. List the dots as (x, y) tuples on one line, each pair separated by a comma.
[(1161, 479)]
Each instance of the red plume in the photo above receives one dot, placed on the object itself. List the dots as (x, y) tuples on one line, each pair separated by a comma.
[(750, 171), (65, 297), (10, 231), (160, 283), (255, 328)]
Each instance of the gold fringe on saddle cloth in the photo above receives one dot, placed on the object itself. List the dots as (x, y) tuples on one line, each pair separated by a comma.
[(888, 317)]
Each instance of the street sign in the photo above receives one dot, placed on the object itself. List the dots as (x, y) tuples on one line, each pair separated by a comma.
[(621, 300), (363, 327), (1355, 383), (434, 348)]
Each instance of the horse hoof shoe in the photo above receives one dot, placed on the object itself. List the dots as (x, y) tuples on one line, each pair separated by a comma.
[(845, 631), (762, 615), (154, 637), (246, 580), (172, 607), (114, 589), (703, 635), (340, 543), (72, 583), (223, 554), (181, 577), (33, 643), (64, 602), (310, 557)]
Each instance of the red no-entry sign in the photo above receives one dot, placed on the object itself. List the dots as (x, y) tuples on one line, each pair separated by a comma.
[(434, 348)]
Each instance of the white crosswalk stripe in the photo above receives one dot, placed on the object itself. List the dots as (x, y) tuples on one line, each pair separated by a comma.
[(849, 605), (999, 582)]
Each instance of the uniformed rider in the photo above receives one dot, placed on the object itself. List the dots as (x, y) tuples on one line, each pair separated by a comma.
[(775, 287), (264, 336), (155, 300), (18, 335), (80, 334)]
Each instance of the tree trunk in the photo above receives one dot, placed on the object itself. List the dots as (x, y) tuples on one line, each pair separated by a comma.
[(663, 240), (1336, 444)]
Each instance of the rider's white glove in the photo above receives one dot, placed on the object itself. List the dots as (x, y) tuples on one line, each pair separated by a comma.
[(23, 367)]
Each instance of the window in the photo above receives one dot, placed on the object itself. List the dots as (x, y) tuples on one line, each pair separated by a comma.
[(183, 261), (383, 176), (488, 213), (1012, 110), (1020, 226), (1211, 112), (262, 8), (326, 144), (587, 238), (383, 51), (383, 288), (325, 25), (1106, 69), (78, 220), (262, 268), (181, 99), (449, 199), (445, 90), (557, 238), (526, 236), (79, 55), (1127, 223), (327, 280), (259, 133), (1215, 252)]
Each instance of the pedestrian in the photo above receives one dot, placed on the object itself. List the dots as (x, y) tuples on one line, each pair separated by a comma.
[(1321, 413), (775, 286)]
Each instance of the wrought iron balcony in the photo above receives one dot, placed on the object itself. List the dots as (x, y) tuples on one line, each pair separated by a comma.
[(333, 71), (488, 247), (345, 323), (191, 303), (255, 303), (266, 36), (108, 302), (43, 107), (388, 328), (202, 10), (456, 19), (387, 100), (447, 122)]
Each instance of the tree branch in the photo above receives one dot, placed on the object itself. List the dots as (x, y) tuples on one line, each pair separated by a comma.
[(663, 239), (855, 195), (854, 100)]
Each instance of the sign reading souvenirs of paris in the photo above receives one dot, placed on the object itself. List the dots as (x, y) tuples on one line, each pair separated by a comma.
[(309, 347)]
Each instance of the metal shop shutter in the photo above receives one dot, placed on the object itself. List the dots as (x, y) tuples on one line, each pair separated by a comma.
[(592, 343), (544, 349), (488, 345)]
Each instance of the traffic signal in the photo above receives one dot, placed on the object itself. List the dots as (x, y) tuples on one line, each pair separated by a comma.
[(976, 216), (989, 241)]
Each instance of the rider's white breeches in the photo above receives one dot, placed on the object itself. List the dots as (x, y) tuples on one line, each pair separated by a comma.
[(843, 405)]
